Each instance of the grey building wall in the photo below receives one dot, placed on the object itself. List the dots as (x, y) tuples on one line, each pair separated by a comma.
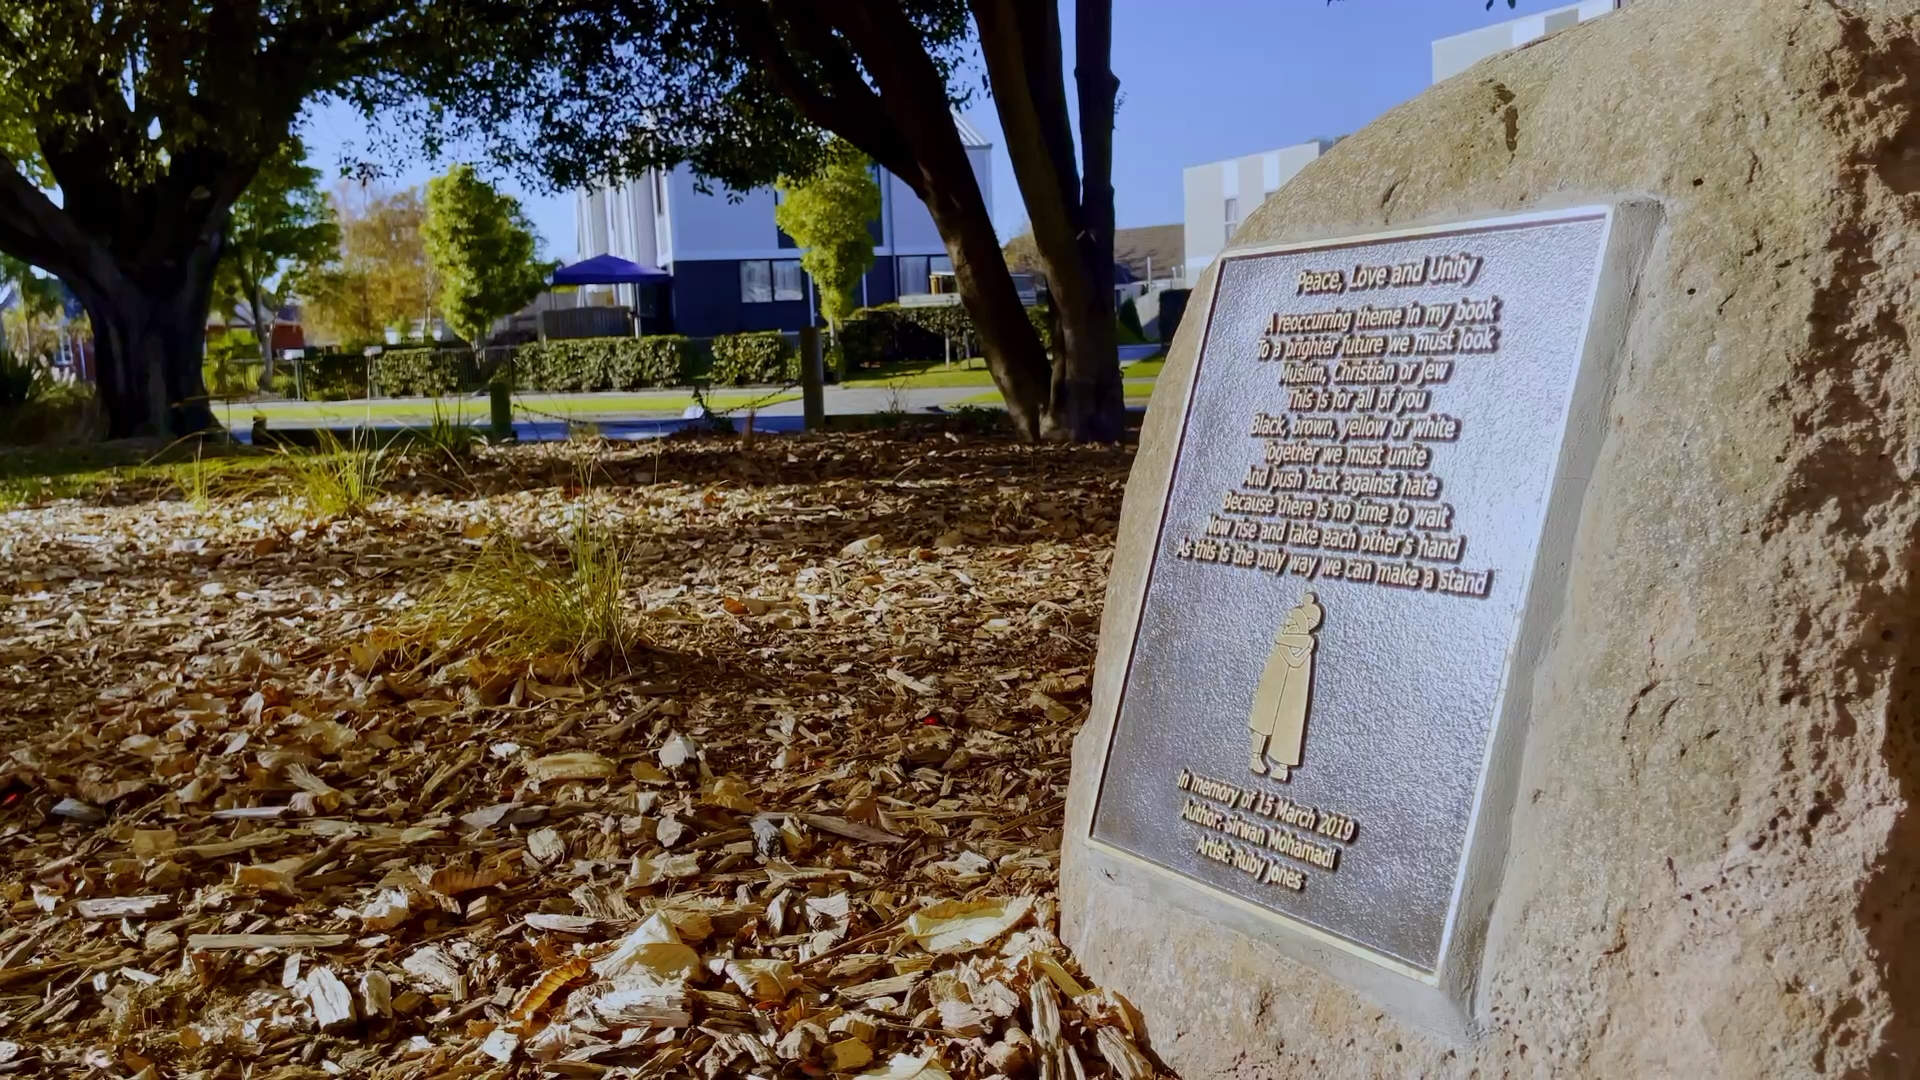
[(1455, 54), (1220, 194)]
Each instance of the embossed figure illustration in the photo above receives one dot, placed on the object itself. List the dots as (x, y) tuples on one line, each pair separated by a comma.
[(1279, 716)]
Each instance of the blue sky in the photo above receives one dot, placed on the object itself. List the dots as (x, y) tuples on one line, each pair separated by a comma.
[(1200, 80)]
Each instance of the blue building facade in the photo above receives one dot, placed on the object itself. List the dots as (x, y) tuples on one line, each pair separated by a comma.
[(732, 268)]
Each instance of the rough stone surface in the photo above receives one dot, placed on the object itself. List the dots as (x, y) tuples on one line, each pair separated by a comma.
[(1715, 850)]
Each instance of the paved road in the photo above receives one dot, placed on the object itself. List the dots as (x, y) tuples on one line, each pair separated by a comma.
[(859, 401)]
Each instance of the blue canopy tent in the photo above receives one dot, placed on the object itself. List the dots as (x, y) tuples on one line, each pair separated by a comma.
[(612, 270)]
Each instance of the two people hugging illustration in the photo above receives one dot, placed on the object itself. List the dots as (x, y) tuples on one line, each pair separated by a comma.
[(1279, 717)]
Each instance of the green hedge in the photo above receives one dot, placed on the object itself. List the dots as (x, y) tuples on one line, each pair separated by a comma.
[(230, 366), (327, 376), (890, 334), (1128, 318), (604, 363), (425, 372), (877, 336), (584, 364), (763, 357)]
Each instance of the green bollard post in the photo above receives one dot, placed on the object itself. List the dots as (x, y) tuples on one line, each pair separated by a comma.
[(500, 396), (813, 399)]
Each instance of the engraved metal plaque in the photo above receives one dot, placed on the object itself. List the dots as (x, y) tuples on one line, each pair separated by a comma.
[(1327, 643)]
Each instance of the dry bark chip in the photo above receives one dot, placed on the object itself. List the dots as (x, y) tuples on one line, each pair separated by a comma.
[(573, 765), (737, 868)]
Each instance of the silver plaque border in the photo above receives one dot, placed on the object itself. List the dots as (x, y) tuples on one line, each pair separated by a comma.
[(1440, 1001)]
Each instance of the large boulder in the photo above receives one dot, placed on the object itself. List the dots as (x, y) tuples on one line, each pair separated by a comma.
[(1715, 846)]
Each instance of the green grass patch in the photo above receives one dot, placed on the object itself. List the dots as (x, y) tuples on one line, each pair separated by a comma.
[(198, 473), (340, 479), (969, 372), (451, 432), (341, 413), (424, 411), (511, 603), (17, 492)]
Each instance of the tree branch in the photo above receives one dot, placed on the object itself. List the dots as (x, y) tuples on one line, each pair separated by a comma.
[(1021, 44), (850, 109), (912, 90), (1098, 90), (34, 229)]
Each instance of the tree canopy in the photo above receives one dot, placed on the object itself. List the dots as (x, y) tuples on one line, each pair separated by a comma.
[(38, 295), (568, 95), (150, 130), (128, 130), (483, 251), (281, 224), (601, 90), (828, 216), (380, 278)]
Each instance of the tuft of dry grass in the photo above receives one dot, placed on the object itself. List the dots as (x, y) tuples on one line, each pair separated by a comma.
[(449, 433), (339, 479), (195, 479), (199, 478), (516, 605)]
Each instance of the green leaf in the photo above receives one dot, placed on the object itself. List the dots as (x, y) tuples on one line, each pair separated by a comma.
[(482, 249), (282, 223), (827, 214)]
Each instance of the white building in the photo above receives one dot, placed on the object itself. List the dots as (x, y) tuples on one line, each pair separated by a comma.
[(1220, 194), (1455, 54), (733, 269)]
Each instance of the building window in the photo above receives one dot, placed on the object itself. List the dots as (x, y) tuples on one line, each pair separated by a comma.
[(913, 275), (788, 282), (763, 281), (1233, 218), (940, 271), (756, 281)]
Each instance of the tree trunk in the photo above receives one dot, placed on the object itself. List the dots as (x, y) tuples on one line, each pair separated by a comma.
[(1093, 405), (262, 335), (145, 277), (915, 98), (1015, 356), (1088, 404), (904, 123), (148, 346), (267, 350), (1072, 221)]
